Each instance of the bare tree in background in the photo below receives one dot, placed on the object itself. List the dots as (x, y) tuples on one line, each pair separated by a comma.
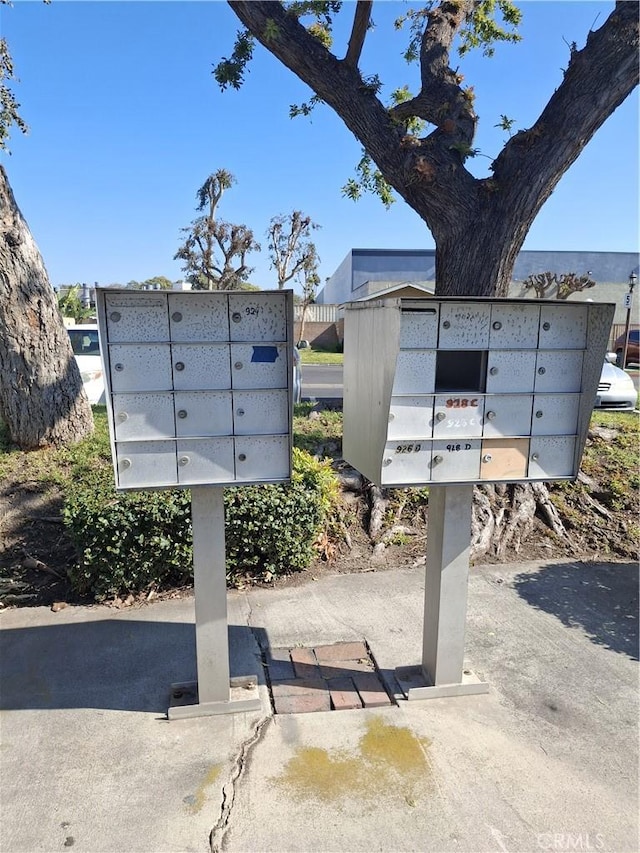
[(549, 285), (290, 249)]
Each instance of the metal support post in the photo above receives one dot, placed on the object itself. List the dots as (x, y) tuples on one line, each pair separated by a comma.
[(214, 692), (442, 672)]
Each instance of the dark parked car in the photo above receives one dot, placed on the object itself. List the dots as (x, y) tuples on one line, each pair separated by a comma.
[(633, 348)]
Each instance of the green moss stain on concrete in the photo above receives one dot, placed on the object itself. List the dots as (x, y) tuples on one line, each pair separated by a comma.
[(388, 758), (195, 802)]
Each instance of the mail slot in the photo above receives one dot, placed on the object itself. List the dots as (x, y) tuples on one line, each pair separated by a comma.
[(415, 372), (140, 367), (504, 459), (263, 457), (456, 416), (261, 412), (143, 416), (410, 417), (419, 329), (252, 317), (405, 462), (146, 463), (199, 316), (514, 326), (507, 414), (205, 460), (555, 414), (456, 460), (511, 371), (464, 325), (201, 413), (552, 456), (136, 317), (197, 367), (259, 366), (559, 370)]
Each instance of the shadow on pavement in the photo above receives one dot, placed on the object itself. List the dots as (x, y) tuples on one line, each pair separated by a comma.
[(600, 598)]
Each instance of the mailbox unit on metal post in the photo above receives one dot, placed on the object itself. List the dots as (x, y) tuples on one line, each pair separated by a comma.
[(199, 395), (452, 392)]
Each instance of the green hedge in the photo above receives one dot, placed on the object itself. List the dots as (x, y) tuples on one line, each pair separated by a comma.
[(133, 541)]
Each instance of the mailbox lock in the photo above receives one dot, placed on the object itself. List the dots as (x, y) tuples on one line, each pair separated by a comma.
[(115, 316), (486, 457), (437, 460), (238, 365), (539, 413), (184, 460), (493, 371), (546, 326), (182, 413), (179, 365), (236, 316), (125, 463), (542, 371), (391, 417), (490, 416), (535, 457), (122, 416), (176, 316), (446, 324), (441, 416), (240, 412), (242, 457), (119, 366), (497, 325), (387, 461)]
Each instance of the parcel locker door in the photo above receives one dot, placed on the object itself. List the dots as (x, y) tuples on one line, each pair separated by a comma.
[(457, 417), (419, 329), (514, 326), (200, 367), (264, 457), (261, 412), (410, 417), (203, 413), (555, 414), (415, 372), (146, 463), (455, 461), (464, 326), (205, 460), (552, 456), (259, 366), (199, 316), (257, 317), (507, 414), (511, 371), (563, 326), (140, 367), (143, 416), (136, 317), (559, 370), (406, 463)]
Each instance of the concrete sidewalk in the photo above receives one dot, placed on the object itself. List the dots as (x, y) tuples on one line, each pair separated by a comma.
[(548, 760)]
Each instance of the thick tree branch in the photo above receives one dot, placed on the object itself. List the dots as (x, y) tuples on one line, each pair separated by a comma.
[(358, 32)]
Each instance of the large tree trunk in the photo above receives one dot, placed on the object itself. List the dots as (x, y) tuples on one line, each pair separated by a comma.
[(42, 400)]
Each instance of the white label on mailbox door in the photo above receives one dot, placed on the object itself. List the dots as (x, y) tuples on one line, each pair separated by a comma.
[(259, 366), (457, 460), (146, 463), (415, 372), (555, 414), (140, 367), (143, 416), (458, 416), (205, 460), (559, 370), (410, 417), (199, 316), (464, 326), (136, 317), (262, 457), (254, 317), (203, 413), (507, 415), (199, 367), (552, 456), (419, 329), (510, 371), (514, 326), (406, 463), (563, 326), (261, 412)]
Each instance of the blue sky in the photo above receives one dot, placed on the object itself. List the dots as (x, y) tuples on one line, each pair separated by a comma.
[(126, 122)]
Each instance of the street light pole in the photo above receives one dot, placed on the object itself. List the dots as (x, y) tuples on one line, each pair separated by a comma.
[(629, 304)]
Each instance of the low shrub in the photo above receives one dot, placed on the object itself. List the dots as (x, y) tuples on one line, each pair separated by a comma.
[(132, 541)]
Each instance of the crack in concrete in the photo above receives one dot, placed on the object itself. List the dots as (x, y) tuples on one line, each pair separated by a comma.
[(219, 831)]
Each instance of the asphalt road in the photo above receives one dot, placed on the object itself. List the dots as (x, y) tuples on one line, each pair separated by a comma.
[(321, 380)]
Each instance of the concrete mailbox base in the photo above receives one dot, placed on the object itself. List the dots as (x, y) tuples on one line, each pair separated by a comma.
[(243, 696)]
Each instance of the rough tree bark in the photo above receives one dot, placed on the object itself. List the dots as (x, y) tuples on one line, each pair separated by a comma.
[(42, 401)]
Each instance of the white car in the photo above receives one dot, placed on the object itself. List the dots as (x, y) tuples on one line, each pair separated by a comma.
[(86, 348), (615, 389)]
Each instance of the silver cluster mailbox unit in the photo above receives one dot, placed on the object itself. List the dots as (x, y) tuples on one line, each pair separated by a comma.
[(480, 390), (453, 392), (199, 394)]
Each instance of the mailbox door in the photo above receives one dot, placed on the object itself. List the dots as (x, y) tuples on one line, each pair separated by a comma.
[(555, 414), (415, 372), (419, 329), (457, 417), (511, 371), (199, 317), (143, 416), (507, 414), (504, 459), (464, 326), (198, 368), (255, 366), (261, 412), (140, 367), (265, 457), (136, 317), (455, 461), (205, 460), (406, 463), (559, 370), (563, 326), (203, 413), (146, 463), (410, 417), (253, 317), (514, 326), (552, 456)]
